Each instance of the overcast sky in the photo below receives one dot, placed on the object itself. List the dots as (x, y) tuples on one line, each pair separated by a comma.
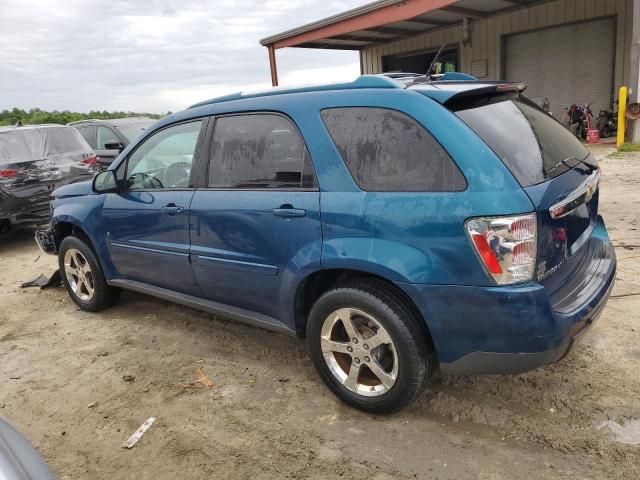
[(154, 55)]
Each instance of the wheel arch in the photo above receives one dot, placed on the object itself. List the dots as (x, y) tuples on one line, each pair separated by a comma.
[(65, 226), (315, 284)]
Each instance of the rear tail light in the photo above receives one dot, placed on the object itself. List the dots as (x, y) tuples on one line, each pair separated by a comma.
[(8, 173), (92, 160), (506, 246)]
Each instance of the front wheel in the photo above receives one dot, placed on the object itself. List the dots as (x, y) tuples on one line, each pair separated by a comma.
[(369, 347), (82, 276)]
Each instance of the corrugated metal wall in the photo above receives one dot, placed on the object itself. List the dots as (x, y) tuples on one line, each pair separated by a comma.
[(487, 34)]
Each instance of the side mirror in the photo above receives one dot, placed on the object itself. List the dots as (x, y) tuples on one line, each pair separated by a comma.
[(105, 182), (114, 146)]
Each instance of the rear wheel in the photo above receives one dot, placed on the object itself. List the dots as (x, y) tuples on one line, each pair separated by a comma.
[(82, 276), (368, 347)]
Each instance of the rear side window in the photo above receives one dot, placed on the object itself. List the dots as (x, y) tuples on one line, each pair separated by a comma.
[(259, 151), (388, 151), (530, 142)]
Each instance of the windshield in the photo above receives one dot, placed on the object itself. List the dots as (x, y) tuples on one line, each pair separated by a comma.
[(132, 131), (531, 143)]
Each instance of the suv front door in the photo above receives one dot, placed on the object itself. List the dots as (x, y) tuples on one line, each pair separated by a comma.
[(147, 222), (256, 222)]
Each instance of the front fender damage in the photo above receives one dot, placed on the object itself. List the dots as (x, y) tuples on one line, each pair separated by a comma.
[(46, 241)]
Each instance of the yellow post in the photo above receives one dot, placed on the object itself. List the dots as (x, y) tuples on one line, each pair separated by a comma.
[(622, 107)]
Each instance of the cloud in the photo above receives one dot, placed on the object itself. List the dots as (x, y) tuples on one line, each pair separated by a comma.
[(153, 55)]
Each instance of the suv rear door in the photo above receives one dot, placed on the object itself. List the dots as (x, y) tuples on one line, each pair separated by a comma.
[(255, 217)]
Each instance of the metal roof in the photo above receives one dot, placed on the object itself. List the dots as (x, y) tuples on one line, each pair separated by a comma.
[(384, 21)]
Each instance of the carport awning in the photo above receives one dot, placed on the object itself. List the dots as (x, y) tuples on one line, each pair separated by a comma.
[(382, 22)]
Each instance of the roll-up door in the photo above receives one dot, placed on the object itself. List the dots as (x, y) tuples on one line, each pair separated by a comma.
[(568, 64)]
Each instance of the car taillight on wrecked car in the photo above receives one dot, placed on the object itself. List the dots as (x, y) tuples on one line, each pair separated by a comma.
[(506, 246), (8, 173), (91, 160)]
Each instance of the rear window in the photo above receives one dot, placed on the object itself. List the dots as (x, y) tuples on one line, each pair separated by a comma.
[(531, 143), (28, 144), (388, 151)]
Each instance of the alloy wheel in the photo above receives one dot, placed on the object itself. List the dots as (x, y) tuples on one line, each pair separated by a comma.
[(79, 274), (359, 352)]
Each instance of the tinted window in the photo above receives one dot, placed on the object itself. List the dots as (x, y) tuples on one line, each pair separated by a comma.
[(164, 160), (531, 143), (106, 135), (386, 150), (259, 151), (88, 133)]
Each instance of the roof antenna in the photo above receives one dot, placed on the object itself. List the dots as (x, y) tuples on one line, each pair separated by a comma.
[(433, 62)]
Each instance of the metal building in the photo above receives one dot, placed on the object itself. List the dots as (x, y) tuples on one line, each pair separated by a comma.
[(570, 51)]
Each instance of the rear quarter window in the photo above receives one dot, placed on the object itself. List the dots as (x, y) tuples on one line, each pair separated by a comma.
[(388, 151)]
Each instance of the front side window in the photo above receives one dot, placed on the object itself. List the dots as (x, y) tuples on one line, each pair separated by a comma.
[(257, 151), (386, 150), (164, 160), (106, 136)]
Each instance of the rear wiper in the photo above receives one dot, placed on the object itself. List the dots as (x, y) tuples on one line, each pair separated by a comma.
[(561, 163)]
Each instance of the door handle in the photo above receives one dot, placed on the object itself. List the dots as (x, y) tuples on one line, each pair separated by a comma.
[(172, 209), (287, 211)]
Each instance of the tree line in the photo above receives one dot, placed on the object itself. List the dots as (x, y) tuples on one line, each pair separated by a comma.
[(38, 116)]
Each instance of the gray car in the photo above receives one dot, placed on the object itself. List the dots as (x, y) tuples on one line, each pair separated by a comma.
[(109, 137), (34, 161), (18, 459)]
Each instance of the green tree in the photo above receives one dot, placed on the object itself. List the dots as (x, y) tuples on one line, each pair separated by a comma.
[(37, 116)]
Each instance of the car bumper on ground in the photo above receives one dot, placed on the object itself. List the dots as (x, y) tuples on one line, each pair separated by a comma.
[(46, 241), (509, 330)]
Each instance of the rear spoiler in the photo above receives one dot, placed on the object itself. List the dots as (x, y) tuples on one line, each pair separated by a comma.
[(485, 90)]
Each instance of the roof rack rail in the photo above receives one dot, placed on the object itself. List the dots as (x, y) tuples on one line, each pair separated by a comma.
[(363, 81)]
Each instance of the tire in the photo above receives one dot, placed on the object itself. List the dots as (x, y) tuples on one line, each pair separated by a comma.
[(83, 277), (407, 359)]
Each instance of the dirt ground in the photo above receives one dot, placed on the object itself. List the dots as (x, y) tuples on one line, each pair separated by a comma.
[(269, 416)]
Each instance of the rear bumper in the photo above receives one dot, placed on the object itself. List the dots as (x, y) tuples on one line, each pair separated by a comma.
[(499, 330), (26, 212)]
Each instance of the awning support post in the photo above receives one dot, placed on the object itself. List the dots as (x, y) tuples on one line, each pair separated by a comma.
[(272, 65)]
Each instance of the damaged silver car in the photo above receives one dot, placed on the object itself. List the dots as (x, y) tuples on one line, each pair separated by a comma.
[(34, 161)]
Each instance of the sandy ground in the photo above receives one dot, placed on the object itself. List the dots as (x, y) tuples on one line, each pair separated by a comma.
[(269, 416)]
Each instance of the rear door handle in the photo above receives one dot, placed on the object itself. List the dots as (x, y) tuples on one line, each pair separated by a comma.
[(287, 211), (172, 209)]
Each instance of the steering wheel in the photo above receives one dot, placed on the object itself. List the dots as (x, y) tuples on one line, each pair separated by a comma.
[(177, 174), (145, 180)]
